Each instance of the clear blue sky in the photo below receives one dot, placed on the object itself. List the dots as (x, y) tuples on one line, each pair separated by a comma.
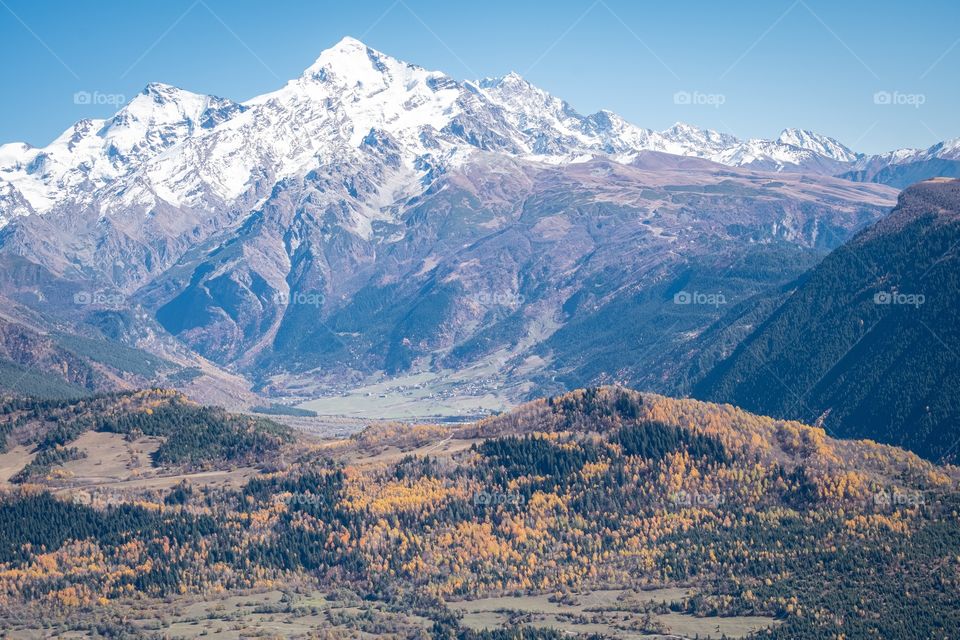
[(814, 64)]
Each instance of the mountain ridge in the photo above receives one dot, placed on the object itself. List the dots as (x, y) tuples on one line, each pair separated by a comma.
[(38, 180)]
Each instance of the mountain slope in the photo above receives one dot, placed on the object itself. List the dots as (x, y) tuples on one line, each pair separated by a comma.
[(869, 344), (490, 261)]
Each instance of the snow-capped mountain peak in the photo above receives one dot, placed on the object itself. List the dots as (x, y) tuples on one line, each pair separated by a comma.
[(163, 103), (351, 62), (162, 115), (949, 149), (682, 128), (169, 144), (94, 153), (686, 139), (511, 79), (820, 144)]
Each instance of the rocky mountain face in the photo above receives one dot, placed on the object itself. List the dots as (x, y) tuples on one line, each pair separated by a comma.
[(373, 216), (489, 262), (868, 345)]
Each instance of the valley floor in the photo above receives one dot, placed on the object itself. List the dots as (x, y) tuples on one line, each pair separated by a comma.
[(420, 396), (306, 612)]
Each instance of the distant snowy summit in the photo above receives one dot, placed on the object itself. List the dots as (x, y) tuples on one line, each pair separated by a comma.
[(170, 146)]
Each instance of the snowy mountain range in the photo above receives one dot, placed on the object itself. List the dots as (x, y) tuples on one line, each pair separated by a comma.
[(173, 146), (371, 217)]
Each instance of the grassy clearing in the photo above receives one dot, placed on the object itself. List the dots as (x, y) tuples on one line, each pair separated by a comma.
[(418, 396), (258, 614), (612, 613)]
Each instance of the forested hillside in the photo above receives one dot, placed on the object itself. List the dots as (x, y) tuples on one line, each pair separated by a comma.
[(733, 517), (188, 435), (869, 345)]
